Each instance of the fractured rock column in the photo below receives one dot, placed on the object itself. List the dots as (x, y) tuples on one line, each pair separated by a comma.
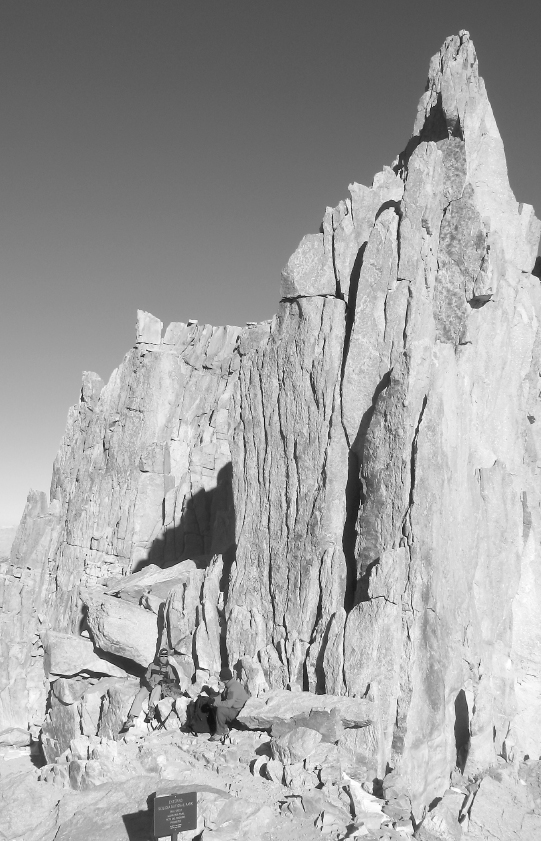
[(437, 406), (23, 614), (443, 462), (290, 468), (143, 474)]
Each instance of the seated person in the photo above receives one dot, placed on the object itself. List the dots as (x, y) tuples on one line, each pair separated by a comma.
[(160, 679), (227, 708)]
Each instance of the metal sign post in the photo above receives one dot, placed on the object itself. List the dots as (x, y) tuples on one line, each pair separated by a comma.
[(174, 813)]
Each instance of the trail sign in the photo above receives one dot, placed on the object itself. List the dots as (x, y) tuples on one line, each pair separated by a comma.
[(174, 813)]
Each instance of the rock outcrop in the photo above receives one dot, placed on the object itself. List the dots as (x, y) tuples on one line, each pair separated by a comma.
[(385, 452), (143, 475), (343, 500)]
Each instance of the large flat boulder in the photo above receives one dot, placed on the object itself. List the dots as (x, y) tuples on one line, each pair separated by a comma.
[(15, 737), (122, 628), (281, 706), (150, 581), (115, 707), (67, 655), (295, 746)]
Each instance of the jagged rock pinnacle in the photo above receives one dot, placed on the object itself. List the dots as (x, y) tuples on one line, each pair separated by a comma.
[(350, 492), (453, 86)]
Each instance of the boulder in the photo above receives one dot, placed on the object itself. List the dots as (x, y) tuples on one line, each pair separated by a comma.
[(87, 774), (297, 777), (121, 628), (242, 820), (316, 804), (324, 755), (503, 809), (67, 655), (295, 746), (69, 691), (15, 737), (326, 722), (116, 706), (80, 747), (150, 583), (363, 802), (274, 771), (280, 706), (62, 724), (91, 705), (442, 820), (252, 676), (55, 774), (106, 749), (181, 612)]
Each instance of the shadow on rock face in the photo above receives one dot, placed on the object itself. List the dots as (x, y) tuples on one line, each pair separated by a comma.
[(205, 528), (462, 730)]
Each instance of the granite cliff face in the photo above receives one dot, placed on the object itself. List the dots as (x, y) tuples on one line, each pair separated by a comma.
[(401, 486), (348, 495)]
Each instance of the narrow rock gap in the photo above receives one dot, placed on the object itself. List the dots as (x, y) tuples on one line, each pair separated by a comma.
[(350, 313), (353, 484), (320, 687), (355, 497), (462, 730), (414, 453), (228, 559)]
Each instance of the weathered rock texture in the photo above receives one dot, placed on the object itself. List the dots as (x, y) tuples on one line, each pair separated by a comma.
[(143, 474), (356, 482), (385, 452)]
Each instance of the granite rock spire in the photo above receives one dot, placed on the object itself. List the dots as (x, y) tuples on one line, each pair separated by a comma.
[(348, 493)]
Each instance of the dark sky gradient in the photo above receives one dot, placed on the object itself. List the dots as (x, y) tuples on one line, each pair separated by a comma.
[(169, 156)]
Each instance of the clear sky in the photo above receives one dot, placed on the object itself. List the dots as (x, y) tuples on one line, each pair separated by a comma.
[(169, 155)]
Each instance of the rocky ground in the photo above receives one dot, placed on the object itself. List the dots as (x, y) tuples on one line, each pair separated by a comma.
[(255, 786)]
